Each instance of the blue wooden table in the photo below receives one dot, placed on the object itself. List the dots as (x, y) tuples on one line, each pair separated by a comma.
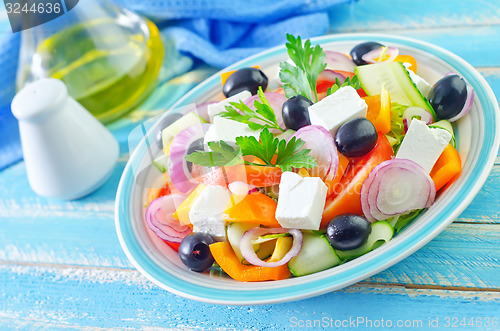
[(61, 266)]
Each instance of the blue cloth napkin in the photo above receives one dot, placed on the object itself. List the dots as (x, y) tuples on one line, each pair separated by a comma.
[(217, 32), (221, 32)]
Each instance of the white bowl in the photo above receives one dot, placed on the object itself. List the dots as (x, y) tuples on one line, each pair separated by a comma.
[(477, 137)]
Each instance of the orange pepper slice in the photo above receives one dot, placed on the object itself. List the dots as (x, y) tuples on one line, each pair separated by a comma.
[(407, 59), (226, 258), (447, 168), (379, 111), (253, 208)]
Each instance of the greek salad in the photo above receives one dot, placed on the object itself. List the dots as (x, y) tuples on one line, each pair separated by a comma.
[(273, 182)]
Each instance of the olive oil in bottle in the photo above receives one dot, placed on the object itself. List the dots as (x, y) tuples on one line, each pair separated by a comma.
[(109, 63)]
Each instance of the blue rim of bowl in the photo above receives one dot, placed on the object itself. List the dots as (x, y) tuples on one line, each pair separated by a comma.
[(385, 259)]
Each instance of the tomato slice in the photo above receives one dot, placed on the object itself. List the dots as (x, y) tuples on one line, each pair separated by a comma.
[(174, 246), (326, 81), (347, 197)]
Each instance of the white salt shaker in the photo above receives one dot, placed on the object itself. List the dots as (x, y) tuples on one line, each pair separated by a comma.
[(68, 153)]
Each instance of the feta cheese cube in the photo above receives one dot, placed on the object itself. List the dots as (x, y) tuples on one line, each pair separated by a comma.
[(337, 108), (217, 108), (301, 201), (422, 85), (423, 145), (227, 130), (206, 212)]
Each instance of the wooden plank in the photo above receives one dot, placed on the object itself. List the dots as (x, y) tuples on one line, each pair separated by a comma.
[(477, 45), (485, 208), (85, 241), (80, 297), (464, 255), (17, 199), (383, 15), (41, 230)]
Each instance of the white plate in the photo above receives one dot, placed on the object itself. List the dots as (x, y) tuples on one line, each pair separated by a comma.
[(477, 139)]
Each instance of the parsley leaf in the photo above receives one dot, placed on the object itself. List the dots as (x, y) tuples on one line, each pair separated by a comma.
[(261, 117), (295, 81), (264, 150), (222, 154), (288, 154), (291, 155), (354, 82), (309, 63)]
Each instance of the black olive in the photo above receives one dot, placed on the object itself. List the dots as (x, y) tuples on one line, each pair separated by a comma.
[(361, 49), (194, 251), (164, 122), (448, 96), (195, 146), (245, 79), (356, 137), (295, 112), (348, 231)]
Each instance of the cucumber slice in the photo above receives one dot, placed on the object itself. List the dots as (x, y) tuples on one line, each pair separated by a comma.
[(315, 255), (161, 163), (285, 135), (400, 221), (381, 233), (445, 125), (268, 237), (396, 80), (234, 232), (182, 123)]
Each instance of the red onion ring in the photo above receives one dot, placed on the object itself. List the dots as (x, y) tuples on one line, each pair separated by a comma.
[(248, 252), (338, 61), (371, 56), (418, 112), (320, 141), (467, 104), (330, 76), (391, 178), (160, 220), (327, 78), (202, 110), (177, 165)]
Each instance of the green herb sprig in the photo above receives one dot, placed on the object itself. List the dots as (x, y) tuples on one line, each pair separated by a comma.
[(288, 154), (261, 117), (309, 63), (353, 82), (221, 154)]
